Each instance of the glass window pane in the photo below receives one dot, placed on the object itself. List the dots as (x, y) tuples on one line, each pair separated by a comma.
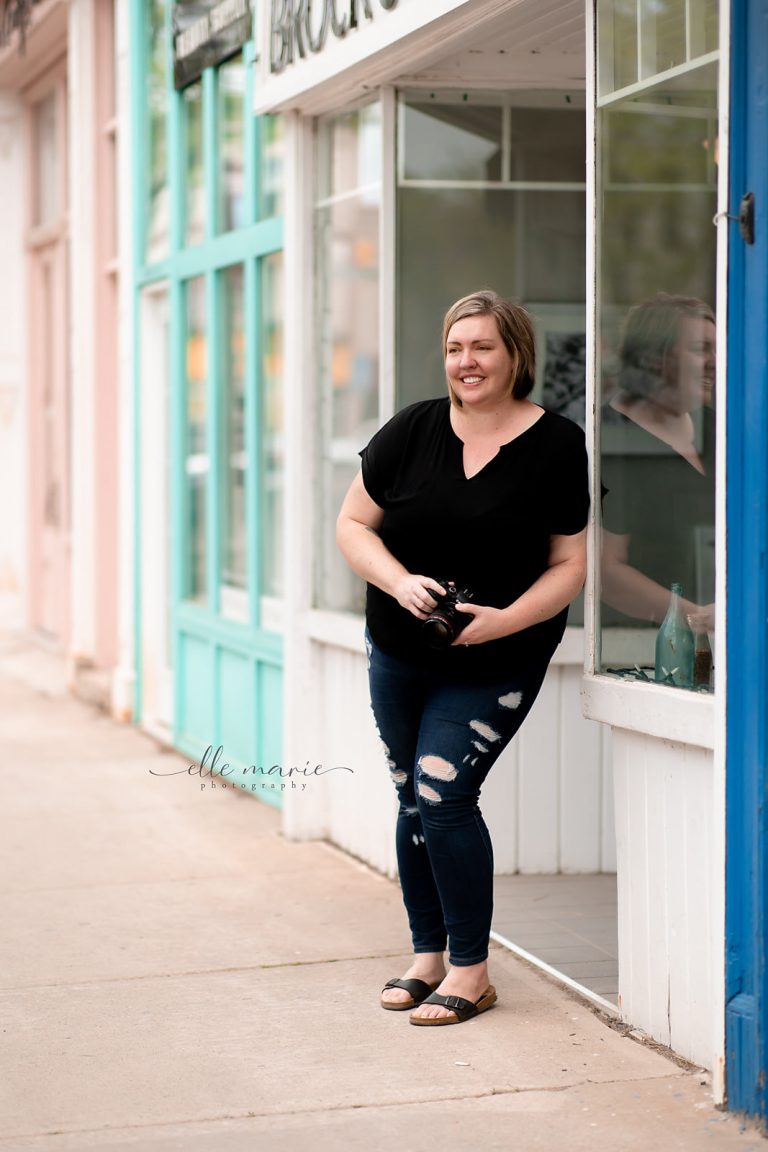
[(663, 46), (347, 247), (548, 144), (233, 454), (272, 453), (271, 165), (231, 78), (657, 276), (196, 461), (617, 44), (47, 175), (156, 247), (349, 152), (443, 141), (194, 188)]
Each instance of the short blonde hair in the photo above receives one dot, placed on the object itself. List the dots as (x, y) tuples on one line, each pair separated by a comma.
[(515, 328), (650, 332)]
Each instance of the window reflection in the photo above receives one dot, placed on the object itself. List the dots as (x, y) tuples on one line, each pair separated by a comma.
[(233, 457), (196, 449), (347, 226), (657, 261), (272, 435), (194, 190), (157, 166), (231, 77)]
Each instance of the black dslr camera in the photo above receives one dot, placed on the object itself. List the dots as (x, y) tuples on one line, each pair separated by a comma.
[(443, 625)]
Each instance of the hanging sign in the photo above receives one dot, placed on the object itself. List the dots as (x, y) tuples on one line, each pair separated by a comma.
[(301, 27), (200, 42)]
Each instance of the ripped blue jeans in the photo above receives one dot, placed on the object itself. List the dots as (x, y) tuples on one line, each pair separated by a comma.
[(441, 738)]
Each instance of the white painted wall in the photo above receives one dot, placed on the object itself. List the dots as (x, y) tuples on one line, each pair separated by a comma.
[(13, 399), (668, 882), (81, 172), (124, 676), (548, 800)]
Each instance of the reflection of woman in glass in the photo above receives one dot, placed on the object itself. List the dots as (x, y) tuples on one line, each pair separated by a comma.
[(658, 456)]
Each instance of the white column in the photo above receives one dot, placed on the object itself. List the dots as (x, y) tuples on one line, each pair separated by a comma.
[(124, 676), (13, 368), (304, 813)]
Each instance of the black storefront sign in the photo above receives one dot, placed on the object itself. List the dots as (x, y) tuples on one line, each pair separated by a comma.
[(298, 27), (207, 33)]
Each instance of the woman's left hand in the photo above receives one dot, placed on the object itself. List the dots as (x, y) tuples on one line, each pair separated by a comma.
[(488, 624)]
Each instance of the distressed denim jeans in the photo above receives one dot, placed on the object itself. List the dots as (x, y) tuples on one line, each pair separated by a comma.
[(440, 738)]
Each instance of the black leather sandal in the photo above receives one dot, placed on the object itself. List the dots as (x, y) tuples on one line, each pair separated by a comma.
[(419, 990), (461, 1009)]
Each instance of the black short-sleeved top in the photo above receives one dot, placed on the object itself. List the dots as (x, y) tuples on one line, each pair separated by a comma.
[(662, 503), (490, 533)]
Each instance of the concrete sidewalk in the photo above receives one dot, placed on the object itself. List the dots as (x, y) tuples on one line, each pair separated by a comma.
[(177, 976)]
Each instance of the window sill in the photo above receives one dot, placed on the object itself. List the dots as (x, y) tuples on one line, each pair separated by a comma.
[(652, 709), (345, 630)]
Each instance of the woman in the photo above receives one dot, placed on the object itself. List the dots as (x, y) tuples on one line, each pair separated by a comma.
[(487, 491), (658, 488)]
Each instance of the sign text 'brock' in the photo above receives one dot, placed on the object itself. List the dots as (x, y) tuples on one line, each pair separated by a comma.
[(298, 27)]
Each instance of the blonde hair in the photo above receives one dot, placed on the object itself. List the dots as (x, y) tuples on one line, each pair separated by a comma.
[(650, 332), (515, 329)]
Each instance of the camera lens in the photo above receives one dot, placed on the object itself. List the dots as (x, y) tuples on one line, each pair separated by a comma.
[(438, 631)]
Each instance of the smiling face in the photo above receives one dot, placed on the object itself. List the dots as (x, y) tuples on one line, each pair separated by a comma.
[(479, 368), (689, 369)]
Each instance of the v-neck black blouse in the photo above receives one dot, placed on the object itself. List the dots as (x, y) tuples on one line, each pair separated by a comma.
[(489, 532)]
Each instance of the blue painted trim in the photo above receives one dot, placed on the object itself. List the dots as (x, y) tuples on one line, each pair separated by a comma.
[(747, 567)]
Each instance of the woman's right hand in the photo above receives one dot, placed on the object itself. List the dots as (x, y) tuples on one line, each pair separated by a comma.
[(419, 595)]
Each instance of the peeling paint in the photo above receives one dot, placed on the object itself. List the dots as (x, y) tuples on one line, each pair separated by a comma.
[(484, 730), (437, 767), (511, 700)]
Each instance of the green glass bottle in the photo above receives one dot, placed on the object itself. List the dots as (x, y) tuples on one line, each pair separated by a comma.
[(674, 645)]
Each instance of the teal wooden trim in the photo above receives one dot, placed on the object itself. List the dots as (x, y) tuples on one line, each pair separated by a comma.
[(251, 124), (153, 273), (252, 339), (194, 620), (210, 152), (214, 350), (178, 511), (231, 248)]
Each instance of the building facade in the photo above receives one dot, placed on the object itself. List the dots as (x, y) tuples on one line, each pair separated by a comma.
[(60, 288), (237, 228)]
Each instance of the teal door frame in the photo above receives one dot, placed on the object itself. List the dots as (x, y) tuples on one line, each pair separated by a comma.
[(227, 674)]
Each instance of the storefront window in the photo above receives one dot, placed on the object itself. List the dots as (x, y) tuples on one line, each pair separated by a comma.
[(196, 462), (272, 453), (491, 193), (233, 457), (156, 246), (347, 231), (657, 169), (46, 182), (506, 175), (194, 185), (271, 165), (231, 77)]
